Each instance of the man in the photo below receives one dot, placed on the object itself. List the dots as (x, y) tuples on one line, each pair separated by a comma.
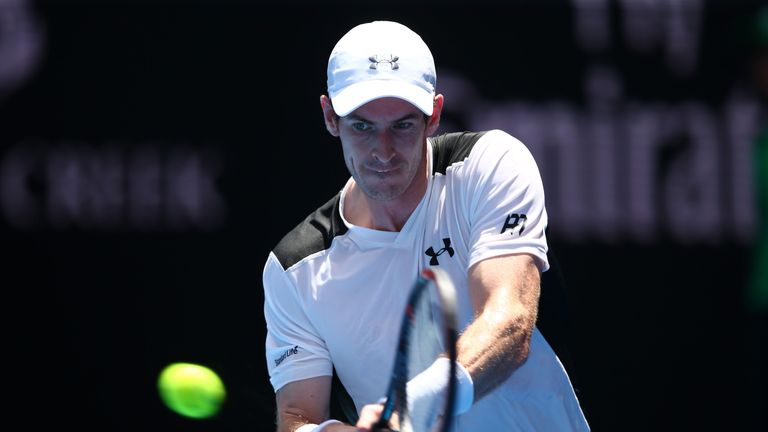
[(471, 203)]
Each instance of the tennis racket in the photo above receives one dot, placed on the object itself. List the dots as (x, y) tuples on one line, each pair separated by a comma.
[(428, 331)]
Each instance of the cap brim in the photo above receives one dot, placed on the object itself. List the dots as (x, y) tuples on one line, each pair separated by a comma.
[(359, 94)]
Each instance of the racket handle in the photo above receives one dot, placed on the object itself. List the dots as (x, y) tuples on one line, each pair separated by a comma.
[(379, 426), (383, 423)]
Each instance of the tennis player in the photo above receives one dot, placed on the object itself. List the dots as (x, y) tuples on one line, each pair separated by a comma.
[(470, 203)]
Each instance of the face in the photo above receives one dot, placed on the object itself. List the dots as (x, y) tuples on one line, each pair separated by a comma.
[(384, 147)]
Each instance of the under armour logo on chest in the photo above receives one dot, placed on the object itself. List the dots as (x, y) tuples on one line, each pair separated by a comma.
[(433, 255), (376, 60)]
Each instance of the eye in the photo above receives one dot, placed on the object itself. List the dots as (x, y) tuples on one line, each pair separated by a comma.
[(361, 126), (404, 125)]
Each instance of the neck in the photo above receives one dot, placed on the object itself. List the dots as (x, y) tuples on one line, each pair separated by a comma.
[(391, 215)]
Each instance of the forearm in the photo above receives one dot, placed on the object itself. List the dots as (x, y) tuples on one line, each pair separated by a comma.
[(304, 402), (491, 349), (498, 340), (290, 421)]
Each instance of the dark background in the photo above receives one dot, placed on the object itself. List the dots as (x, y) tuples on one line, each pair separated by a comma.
[(94, 306)]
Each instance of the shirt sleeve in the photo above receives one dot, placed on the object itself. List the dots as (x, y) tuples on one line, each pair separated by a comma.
[(505, 200), (294, 350)]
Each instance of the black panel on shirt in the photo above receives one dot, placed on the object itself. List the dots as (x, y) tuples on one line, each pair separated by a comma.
[(450, 148), (313, 234)]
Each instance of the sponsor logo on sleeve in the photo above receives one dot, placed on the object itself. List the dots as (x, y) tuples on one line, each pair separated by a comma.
[(289, 352), (514, 221)]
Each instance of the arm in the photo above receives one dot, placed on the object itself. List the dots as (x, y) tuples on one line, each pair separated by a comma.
[(301, 402), (306, 402), (303, 398), (505, 295), (504, 285)]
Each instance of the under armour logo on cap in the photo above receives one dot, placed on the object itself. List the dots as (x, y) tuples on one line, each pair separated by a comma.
[(392, 60)]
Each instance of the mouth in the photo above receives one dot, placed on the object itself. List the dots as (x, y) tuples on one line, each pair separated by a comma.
[(382, 169)]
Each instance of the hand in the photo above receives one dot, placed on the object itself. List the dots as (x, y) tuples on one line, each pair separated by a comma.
[(370, 414)]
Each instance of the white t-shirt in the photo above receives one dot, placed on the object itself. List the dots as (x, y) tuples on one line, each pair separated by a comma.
[(335, 292)]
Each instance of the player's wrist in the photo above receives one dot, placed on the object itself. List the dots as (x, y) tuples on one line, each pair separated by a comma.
[(434, 380), (465, 390), (311, 427)]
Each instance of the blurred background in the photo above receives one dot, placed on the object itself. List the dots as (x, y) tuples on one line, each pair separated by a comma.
[(153, 152)]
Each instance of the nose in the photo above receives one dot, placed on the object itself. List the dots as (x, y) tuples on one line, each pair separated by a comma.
[(383, 149)]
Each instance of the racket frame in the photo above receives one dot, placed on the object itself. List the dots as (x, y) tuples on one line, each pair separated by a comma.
[(396, 393)]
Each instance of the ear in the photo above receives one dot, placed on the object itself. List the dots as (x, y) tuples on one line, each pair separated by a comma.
[(329, 115), (434, 120)]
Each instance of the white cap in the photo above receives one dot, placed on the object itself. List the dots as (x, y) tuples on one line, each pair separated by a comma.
[(381, 59)]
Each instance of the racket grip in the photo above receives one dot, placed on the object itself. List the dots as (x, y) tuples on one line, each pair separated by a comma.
[(380, 425)]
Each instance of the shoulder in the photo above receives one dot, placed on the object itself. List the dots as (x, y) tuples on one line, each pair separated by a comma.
[(452, 148), (314, 234)]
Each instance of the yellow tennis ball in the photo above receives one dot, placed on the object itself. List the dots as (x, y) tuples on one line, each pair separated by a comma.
[(191, 390)]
